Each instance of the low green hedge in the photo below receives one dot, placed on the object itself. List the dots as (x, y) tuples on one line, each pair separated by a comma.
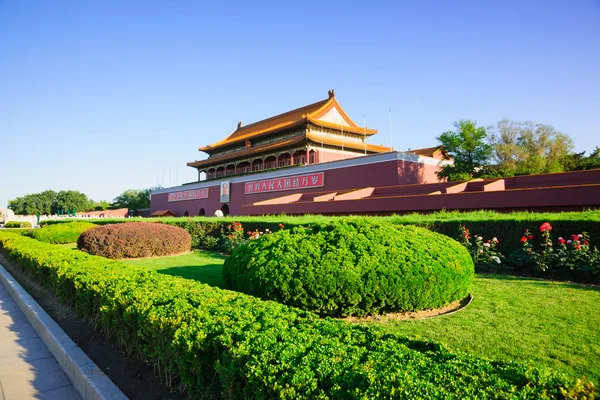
[(507, 227), (17, 224), (62, 233), (352, 267), (222, 344), (138, 240)]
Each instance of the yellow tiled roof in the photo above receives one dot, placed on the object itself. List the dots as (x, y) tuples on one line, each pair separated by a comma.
[(290, 119), (347, 144)]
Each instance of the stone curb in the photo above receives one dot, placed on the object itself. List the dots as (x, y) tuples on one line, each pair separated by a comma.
[(86, 377)]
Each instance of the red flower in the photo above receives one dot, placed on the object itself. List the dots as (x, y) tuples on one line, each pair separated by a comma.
[(523, 239), (530, 237), (586, 242), (545, 227), (574, 237), (561, 241)]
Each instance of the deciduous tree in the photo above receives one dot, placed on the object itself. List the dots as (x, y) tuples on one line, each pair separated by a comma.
[(527, 148), (467, 147)]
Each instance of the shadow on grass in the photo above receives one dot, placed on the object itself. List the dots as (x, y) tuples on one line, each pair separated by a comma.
[(210, 274), (540, 281)]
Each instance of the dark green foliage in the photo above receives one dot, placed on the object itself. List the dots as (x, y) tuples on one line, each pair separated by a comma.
[(51, 202), (17, 224), (467, 148), (352, 268), (138, 240), (579, 162), (62, 233), (222, 344), (133, 199)]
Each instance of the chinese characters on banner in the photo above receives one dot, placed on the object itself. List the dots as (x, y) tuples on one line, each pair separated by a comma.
[(289, 183), (189, 195)]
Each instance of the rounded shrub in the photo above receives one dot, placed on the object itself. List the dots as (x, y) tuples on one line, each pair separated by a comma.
[(135, 240), (62, 233), (353, 268)]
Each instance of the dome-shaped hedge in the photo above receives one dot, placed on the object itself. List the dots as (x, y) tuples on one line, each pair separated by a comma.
[(353, 268), (67, 232), (135, 240)]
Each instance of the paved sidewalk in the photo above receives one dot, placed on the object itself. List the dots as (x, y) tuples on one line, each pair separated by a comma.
[(27, 369)]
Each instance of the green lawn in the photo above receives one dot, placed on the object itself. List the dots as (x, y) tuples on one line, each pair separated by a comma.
[(72, 246), (551, 323), (202, 266)]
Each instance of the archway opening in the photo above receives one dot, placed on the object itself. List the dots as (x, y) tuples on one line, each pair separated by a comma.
[(186, 214), (202, 213), (225, 210)]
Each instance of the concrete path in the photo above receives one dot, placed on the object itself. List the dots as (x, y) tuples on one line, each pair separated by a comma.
[(27, 369)]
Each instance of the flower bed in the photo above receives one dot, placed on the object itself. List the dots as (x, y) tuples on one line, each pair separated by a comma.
[(218, 343)]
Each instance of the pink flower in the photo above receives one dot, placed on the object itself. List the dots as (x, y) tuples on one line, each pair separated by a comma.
[(580, 235), (545, 227), (495, 240), (569, 241), (486, 245)]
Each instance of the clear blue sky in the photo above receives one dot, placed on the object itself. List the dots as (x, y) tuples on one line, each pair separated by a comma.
[(102, 96)]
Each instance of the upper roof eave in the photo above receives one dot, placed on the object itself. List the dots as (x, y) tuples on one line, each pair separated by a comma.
[(290, 119), (355, 145), (354, 129), (272, 124)]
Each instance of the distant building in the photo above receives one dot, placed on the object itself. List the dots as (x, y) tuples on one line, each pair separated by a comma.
[(311, 149), (317, 133)]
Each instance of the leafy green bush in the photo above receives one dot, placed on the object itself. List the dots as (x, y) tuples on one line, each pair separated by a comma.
[(222, 344), (137, 240), (352, 267), (17, 224), (62, 233)]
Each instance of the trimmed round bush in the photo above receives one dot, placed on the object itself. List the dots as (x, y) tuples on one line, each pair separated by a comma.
[(135, 240), (62, 233), (353, 268)]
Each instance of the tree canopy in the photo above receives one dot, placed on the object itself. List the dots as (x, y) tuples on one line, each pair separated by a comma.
[(509, 148), (467, 147), (133, 199), (520, 148), (50, 202)]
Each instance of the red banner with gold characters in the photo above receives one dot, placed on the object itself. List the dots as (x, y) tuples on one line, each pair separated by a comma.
[(189, 195), (289, 183)]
